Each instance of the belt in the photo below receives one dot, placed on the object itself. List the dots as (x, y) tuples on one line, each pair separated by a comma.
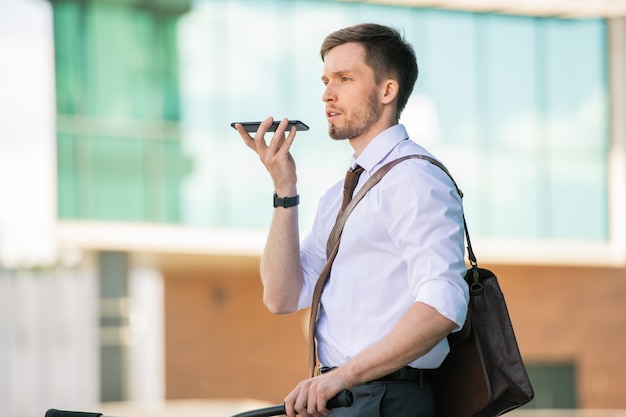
[(406, 374)]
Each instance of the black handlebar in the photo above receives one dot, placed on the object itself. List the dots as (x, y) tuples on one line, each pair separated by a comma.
[(343, 399), (59, 413)]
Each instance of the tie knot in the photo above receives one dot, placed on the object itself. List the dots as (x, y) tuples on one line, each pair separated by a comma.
[(352, 178), (357, 170)]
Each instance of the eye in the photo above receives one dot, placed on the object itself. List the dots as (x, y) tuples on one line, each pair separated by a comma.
[(345, 79)]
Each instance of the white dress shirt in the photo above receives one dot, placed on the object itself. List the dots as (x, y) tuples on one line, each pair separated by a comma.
[(402, 244)]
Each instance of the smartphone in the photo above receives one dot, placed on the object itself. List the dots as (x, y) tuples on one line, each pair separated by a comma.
[(252, 127)]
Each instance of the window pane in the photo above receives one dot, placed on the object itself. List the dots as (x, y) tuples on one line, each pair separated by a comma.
[(515, 106)]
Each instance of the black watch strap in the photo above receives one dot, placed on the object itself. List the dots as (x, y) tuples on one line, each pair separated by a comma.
[(286, 201)]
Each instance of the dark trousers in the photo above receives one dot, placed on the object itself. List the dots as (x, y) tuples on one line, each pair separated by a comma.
[(390, 399)]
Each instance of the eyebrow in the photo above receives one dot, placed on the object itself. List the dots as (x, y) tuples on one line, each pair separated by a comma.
[(338, 73)]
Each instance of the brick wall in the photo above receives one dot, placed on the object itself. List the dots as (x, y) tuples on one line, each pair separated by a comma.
[(576, 315), (221, 342)]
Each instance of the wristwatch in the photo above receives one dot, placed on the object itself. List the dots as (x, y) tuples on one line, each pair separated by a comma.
[(286, 202)]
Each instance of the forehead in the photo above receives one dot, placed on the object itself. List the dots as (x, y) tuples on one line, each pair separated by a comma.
[(349, 57)]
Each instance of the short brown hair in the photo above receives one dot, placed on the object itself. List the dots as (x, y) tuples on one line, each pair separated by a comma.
[(386, 52)]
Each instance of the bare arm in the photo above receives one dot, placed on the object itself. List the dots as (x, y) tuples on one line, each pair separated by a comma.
[(281, 272), (417, 332)]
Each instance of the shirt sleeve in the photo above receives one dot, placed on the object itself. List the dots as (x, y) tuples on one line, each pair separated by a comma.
[(424, 216), (313, 245), (311, 264)]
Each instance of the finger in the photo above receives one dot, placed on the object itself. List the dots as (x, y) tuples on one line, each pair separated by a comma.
[(262, 130), (316, 405), (247, 139), (289, 407), (321, 406), (279, 136), (292, 134), (281, 143), (282, 126), (302, 402), (259, 137), (290, 402)]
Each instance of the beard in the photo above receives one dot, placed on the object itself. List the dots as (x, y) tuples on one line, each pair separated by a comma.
[(364, 117)]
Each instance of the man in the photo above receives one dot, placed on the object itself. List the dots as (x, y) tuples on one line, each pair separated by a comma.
[(396, 288)]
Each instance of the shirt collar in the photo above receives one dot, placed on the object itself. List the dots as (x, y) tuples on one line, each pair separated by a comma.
[(380, 147)]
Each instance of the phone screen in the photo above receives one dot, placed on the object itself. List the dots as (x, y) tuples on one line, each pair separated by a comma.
[(252, 127)]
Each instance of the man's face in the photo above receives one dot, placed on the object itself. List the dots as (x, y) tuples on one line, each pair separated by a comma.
[(351, 93)]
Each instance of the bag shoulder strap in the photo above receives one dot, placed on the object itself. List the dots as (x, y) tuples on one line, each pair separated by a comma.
[(337, 230), (332, 246)]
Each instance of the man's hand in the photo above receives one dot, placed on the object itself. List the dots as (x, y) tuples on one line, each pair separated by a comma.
[(310, 396), (275, 156)]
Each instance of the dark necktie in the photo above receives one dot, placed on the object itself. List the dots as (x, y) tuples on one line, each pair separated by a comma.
[(349, 184)]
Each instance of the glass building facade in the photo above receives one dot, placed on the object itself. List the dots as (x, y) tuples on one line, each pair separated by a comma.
[(516, 106)]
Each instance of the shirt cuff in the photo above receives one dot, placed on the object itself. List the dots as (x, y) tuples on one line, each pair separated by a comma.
[(450, 300)]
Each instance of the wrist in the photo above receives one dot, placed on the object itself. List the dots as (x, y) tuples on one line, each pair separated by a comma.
[(345, 374), (286, 202)]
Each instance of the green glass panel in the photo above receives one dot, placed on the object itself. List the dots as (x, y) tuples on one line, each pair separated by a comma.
[(120, 157), (67, 186), (516, 106), (117, 189)]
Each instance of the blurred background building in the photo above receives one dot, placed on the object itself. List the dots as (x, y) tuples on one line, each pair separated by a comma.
[(132, 216)]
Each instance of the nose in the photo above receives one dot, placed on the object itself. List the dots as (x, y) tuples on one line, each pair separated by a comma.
[(328, 94)]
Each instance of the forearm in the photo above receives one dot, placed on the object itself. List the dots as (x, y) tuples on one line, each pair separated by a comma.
[(280, 263), (417, 332), (281, 271)]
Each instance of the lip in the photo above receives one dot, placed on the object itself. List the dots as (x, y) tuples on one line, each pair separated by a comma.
[(331, 114)]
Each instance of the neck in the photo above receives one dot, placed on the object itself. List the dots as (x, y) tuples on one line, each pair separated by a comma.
[(359, 143)]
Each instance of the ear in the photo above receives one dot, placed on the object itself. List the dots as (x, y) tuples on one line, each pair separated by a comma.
[(389, 90)]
